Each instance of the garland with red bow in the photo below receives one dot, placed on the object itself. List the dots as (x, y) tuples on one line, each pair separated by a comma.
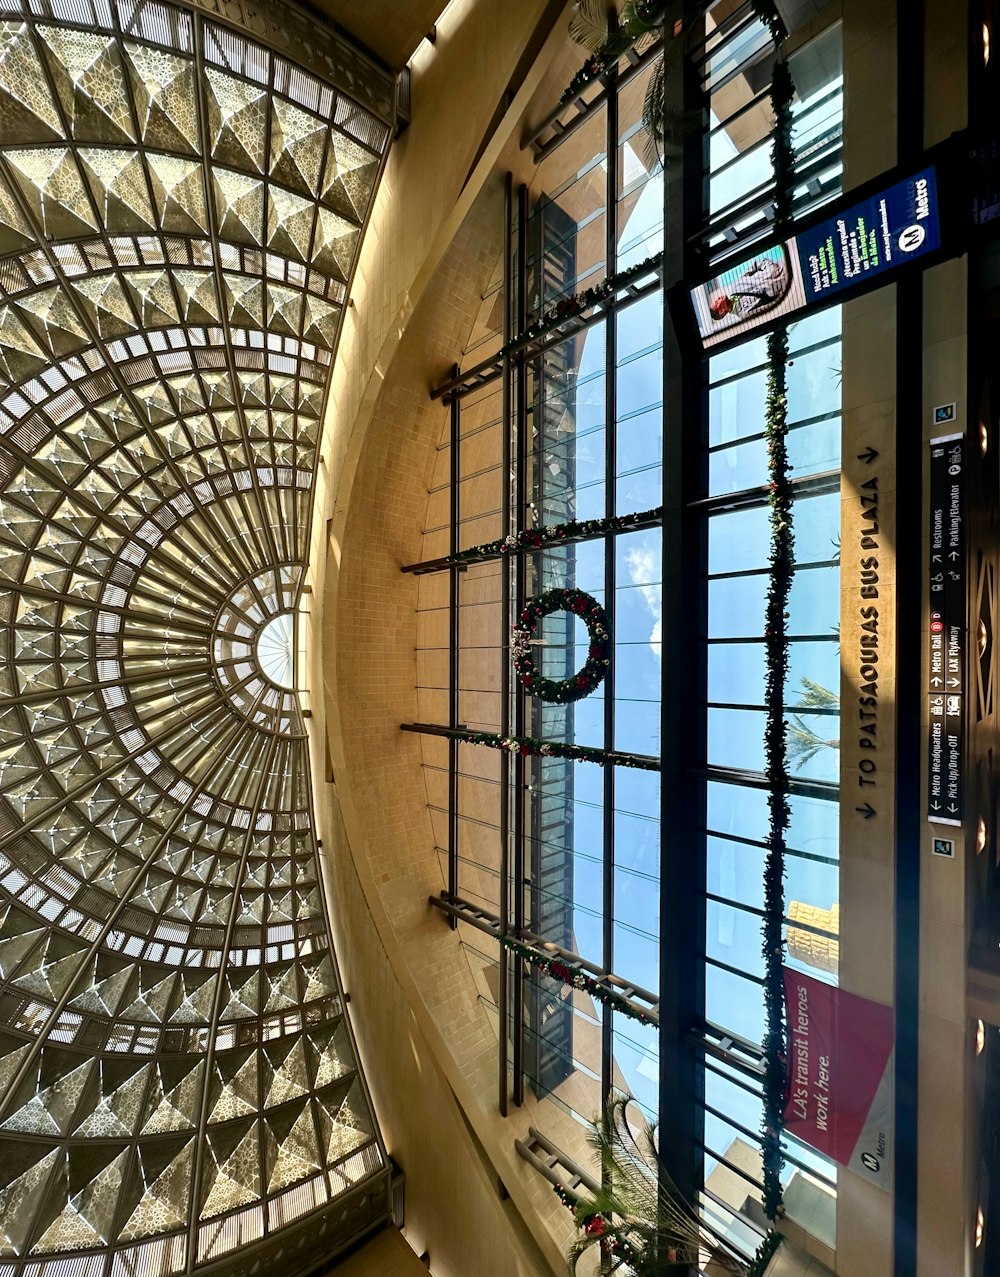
[(570, 974), (577, 303), (531, 746), (556, 533)]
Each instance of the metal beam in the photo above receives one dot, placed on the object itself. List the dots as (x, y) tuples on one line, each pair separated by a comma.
[(644, 1002), (684, 682)]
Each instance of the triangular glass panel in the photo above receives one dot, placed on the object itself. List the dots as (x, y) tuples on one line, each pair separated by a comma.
[(165, 1171), (27, 112), (291, 1149), (51, 183), (166, 97), (87, 72), (231, 1174)]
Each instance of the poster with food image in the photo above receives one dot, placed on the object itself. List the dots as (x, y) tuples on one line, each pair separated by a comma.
[(755, 292)]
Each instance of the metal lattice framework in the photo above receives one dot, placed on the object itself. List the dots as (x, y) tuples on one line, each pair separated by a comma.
[(180, 212)]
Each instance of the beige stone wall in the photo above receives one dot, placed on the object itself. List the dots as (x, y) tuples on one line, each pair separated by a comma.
[(386, 1255), (426, 1038), (867, 845)]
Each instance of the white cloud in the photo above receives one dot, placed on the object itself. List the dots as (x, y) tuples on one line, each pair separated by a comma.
[(641, 564)]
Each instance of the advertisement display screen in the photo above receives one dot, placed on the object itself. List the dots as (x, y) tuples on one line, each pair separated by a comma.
[(894, 226)]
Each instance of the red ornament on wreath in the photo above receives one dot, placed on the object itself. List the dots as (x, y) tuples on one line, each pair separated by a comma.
[(584, 681)]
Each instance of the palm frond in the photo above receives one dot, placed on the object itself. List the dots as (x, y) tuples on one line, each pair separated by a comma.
[(815, 696), (639, 1216), (654, 116), (663, 130), (803, 742), (590, 24)]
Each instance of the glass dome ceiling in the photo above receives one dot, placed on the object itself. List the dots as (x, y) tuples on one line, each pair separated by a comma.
[(180, 211), (276, 650)]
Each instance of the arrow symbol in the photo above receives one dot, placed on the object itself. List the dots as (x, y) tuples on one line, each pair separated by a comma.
[(952, 807), (935, 806), (954, 682), (867, 811), (868, 456), (953, 555), (936, 682)]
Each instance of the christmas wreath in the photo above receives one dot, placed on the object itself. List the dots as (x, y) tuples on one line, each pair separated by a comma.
[(586, 680)]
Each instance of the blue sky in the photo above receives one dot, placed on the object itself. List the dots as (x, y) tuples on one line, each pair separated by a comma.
[(738, 542)]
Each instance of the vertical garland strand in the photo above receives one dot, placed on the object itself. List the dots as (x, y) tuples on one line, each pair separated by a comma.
[(780, 568), (776, 764)]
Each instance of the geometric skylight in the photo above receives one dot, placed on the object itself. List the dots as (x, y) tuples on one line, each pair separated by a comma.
[(276, 650), (180, 211)]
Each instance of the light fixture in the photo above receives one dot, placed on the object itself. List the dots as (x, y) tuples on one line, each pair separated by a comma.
[(980, 1227), (980, 835), (986, 44), (984, 438), (980, 1037)]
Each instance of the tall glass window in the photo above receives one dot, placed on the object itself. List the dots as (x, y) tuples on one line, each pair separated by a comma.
[(737, 538), (568, 422)]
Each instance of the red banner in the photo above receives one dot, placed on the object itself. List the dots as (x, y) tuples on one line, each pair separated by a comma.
[(840, 1075)]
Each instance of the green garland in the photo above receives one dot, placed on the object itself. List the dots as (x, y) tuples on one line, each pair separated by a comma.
[(782, 150), (577, 978), (596, 66), (553, 533), (781, 563), (780, 568), (635, 20), (563, 690), (763, 1254), (531, 746), (568, 307), (639, 20)]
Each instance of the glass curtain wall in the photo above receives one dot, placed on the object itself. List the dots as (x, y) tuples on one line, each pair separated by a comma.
[(736, 70), (569, 424), (575, 422)]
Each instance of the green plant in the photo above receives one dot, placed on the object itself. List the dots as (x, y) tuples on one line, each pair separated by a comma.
[(804, 743), (781, 561), (609, 30), (639, 1218)]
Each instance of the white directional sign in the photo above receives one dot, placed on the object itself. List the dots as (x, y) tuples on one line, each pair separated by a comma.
[(946, 670)]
